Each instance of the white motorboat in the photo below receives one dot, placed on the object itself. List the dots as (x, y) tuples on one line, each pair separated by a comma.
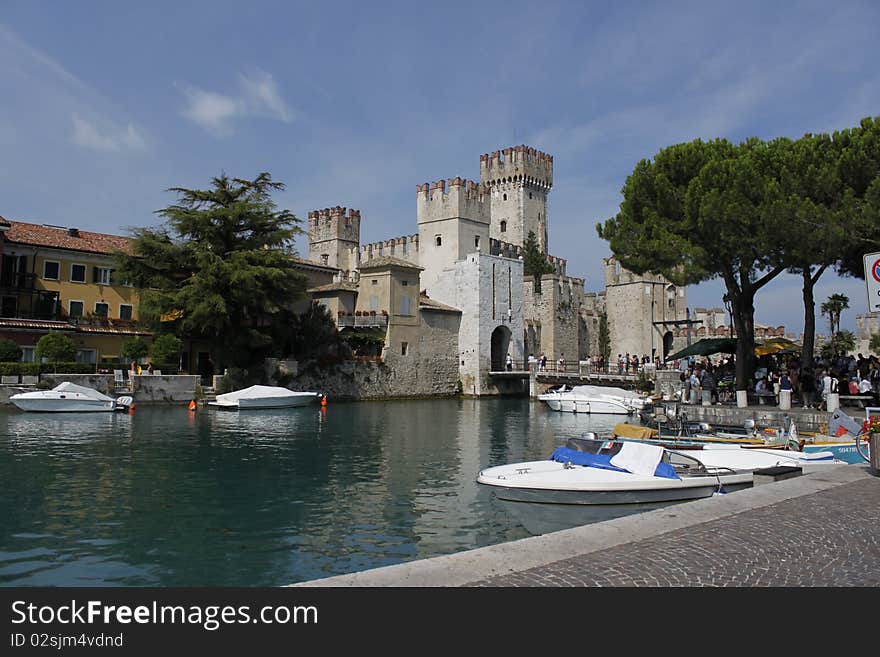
[(261, 397), (594, 399), (68, 397), (590, 480)]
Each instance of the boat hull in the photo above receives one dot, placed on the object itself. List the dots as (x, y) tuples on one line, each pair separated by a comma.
[(268, 403), (542, 514)]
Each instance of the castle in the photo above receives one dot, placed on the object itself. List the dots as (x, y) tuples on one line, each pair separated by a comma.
[(451, 301)]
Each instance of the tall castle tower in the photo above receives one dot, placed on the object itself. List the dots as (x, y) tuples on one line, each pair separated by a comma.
[(453, 218), (519, 179), (334, 236)]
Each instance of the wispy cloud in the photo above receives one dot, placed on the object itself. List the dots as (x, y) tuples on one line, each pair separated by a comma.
[(257, 96), (107, 139)]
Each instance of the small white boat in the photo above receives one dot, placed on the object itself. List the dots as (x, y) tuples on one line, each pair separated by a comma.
[(65, 397), (591, 480), (594, 399), (257, 397)]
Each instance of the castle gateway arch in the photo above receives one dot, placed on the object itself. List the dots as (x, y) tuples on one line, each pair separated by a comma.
[(500, 347)]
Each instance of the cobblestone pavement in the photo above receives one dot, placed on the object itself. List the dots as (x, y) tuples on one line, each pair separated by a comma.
[(830, 538)]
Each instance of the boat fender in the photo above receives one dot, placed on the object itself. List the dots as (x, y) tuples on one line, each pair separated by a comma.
[(192, 405)]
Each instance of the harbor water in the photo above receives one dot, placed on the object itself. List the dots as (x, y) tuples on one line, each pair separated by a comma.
[(168, 497)]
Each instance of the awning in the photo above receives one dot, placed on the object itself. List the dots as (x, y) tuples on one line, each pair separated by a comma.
[(777, 346), (707, 347)]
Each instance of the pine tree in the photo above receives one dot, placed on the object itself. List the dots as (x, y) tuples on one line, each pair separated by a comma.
[(535, 261), (220, 269)]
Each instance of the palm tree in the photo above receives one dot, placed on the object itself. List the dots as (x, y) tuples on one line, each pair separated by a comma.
[(833, 307)]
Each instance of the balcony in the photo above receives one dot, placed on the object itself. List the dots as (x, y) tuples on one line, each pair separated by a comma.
[(13, 280), (380, 321)]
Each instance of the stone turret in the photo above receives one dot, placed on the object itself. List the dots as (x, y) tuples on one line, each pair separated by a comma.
[(333, 233), (519, 179)]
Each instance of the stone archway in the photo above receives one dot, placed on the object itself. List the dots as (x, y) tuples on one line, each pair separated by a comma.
[(500, 346), (667, 344)]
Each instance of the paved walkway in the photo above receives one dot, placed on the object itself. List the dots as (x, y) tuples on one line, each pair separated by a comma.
[(820, 529)]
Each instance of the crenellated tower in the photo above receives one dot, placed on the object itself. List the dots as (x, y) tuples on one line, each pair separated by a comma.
[(519, 179), (453, 218), (333, 236)]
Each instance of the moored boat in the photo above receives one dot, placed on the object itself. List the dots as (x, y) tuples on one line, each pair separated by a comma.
[(594, 399), (590, 480), (67, 397), (263, 397), (843, 447)]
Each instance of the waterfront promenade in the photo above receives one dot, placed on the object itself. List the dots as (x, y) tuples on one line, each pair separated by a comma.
[(818, 530)]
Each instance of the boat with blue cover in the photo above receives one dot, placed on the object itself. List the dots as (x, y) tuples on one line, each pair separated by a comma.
[(590, 480)]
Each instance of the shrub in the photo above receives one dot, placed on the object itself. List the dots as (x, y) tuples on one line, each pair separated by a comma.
[(166, 349), (10, 352), (134, 348), (56, 348)]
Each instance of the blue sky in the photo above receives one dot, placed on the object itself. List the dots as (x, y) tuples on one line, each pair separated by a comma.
[(106, 104)]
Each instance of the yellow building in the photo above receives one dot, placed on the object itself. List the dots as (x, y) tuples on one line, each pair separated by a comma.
[(63, 279)]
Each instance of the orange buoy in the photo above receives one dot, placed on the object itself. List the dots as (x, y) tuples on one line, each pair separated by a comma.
[(323, 400), (192, 405)]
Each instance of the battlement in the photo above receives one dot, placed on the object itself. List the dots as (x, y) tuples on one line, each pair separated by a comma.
[(517, 163), (508, 250), (334, 223), (405, 247), (456, 198)]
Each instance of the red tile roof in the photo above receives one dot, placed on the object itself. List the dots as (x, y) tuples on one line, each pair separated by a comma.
[(60, 238)]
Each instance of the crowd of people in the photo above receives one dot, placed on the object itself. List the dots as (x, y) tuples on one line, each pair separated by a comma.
[(809, 386)]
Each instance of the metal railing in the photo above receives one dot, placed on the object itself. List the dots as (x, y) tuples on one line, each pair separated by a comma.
[(362, 320)]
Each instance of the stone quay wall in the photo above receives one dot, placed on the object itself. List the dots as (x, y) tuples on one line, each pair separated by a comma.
[(148, 389), (354, 380)]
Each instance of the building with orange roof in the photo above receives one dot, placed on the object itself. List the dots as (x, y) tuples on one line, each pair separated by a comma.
[(63, 279)]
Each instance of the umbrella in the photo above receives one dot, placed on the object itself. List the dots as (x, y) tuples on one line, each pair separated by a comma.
[(706, 347), (777, 346)]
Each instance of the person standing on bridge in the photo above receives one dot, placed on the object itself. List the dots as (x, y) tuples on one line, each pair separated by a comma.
[(509, 363), (543, 361)]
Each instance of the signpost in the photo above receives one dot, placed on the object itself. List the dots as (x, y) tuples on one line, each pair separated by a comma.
[(872, 280)]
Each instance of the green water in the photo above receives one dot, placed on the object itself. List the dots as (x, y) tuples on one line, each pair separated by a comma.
[(165, 497)]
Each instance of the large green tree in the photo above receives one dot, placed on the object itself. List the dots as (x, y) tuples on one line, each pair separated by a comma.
[(220, 268), (812, 207), (704, 210)]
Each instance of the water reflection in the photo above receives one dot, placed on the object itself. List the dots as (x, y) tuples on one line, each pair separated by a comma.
[(169, 497)]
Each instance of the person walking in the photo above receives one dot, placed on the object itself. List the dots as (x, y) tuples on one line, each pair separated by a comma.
[(509, 363)]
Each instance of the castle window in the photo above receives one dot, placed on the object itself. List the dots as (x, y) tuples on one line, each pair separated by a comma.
[(438, 240), (324, 258), (404, 283), (476, 241), (403, 348), (505, 197), (404, 305), (503, 226), (374, 282), (530, 195)]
